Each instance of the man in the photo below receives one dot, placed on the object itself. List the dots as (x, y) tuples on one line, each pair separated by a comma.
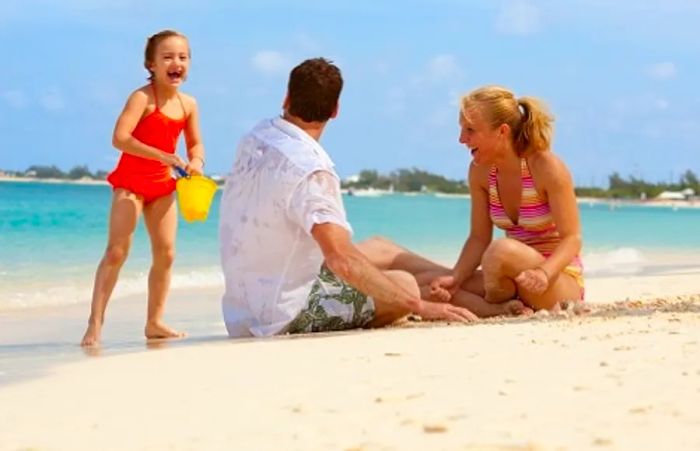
[(288, 260)]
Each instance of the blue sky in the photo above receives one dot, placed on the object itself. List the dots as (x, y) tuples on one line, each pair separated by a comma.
[(620, 77)]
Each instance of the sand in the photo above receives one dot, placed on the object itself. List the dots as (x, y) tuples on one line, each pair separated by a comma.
[(623, 376)]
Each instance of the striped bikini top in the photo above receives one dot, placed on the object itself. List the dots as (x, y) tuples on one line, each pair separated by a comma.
[(535, 225)]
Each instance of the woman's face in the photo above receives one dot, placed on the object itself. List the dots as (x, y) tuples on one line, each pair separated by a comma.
[(478, 136)]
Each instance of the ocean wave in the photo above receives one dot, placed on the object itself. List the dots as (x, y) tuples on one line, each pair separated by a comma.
[(46, 294), (620, 261)]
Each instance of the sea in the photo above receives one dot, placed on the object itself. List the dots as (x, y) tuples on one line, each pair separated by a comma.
[(52, 236)]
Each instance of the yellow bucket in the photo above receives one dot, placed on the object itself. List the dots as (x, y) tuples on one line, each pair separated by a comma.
[(194, 194)]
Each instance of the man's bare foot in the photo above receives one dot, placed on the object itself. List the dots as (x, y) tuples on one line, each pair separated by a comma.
[(92, 335), (160, 330)]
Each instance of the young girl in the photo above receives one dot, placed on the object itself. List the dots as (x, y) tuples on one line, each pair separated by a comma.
[(146, 133)]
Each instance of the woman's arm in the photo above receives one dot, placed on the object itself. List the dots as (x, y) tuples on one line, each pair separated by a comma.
[(122, 137), (481, 232), (559, 189)]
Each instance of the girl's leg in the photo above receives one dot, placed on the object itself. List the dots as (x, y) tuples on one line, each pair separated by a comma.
[(123, 217), (160, 217), (504, 259)]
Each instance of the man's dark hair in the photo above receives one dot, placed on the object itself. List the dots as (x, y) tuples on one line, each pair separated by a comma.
[(313, 90)]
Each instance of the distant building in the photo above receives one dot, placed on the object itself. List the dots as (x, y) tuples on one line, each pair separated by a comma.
[(676, 195)]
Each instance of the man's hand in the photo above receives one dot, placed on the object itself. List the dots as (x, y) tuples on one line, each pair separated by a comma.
[(444, 311)]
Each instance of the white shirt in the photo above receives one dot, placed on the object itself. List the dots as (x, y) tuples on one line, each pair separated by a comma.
[(282, 183)]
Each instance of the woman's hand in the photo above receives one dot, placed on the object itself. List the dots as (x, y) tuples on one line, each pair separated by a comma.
[(195, 166), (442, 288), (535, 280)]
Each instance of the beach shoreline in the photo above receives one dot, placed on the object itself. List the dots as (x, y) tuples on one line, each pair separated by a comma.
[(544, 383)]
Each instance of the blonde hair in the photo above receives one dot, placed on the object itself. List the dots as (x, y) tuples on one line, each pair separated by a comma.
[(152, 42), (527, 117)]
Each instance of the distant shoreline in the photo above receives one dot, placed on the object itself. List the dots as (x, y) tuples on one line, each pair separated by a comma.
[(613, 203), (54, 181)]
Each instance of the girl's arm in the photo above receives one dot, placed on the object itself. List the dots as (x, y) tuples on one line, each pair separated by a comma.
[(193, 140), (562, 201), (122, 137)]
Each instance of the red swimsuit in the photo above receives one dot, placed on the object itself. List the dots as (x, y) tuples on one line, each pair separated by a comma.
[(148, 178)]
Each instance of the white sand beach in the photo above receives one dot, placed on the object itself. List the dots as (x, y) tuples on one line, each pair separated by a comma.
[(623, 376)]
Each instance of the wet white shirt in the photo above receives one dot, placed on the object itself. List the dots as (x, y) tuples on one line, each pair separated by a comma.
[(282, 183)]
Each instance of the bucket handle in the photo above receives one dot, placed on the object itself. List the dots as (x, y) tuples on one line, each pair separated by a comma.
[(181, 172)]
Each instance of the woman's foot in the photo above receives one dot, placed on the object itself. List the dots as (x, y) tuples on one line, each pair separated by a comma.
[(92, 335), (157, 329)]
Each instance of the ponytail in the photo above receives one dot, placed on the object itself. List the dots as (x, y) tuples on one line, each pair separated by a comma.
[(535, 131)]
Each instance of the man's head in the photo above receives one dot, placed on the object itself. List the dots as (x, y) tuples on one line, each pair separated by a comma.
[(313, 90)]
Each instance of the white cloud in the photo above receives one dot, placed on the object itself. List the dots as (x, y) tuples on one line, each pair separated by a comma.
[(270, 62), (443, 67), (661, 104), (662, 71), (52, 101), (518, 17), (15, 98)]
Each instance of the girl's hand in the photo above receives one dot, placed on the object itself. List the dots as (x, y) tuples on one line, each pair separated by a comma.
[(195, 166), (442, 288), (172, 159), (535, 280)]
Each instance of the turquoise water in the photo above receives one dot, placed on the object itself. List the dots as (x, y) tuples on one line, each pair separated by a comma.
[(53, 235)]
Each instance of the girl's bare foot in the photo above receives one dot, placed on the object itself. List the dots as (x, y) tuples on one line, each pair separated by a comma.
[(92, 335), (160, 330)]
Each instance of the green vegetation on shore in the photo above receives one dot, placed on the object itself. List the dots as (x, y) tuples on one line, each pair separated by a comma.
[(406, 180), (53, 172), (416, 180)]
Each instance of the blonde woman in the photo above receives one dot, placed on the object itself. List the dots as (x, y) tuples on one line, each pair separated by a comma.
[(519, 185)]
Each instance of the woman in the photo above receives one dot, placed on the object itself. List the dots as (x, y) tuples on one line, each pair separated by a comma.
[(519, 185)]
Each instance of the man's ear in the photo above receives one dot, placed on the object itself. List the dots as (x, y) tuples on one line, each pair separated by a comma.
[(336, 110), (285, 102)]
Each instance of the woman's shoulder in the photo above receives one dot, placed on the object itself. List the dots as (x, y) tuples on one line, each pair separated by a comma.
[(479, 173), (547, 166)]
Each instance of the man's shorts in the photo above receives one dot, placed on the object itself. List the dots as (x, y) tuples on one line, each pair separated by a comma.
[(332, 305)]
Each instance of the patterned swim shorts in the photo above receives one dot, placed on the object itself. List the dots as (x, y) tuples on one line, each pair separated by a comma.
[(332, 305)]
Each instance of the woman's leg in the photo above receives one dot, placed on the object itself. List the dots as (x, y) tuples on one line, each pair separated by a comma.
[(504, 259), (160, 217), (123, 217)]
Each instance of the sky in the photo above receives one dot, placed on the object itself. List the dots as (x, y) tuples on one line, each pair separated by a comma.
[(620, 77)]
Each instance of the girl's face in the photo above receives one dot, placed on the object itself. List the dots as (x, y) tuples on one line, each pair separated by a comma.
[(477, 134), (171, 61)]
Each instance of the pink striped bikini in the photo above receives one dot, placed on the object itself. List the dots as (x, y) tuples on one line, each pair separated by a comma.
[(535, 226)]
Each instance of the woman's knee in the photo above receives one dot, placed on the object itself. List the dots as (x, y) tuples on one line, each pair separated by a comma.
[(499, 252)]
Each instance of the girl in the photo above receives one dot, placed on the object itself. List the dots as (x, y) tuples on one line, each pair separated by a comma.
[(519, 185), (146, 133)]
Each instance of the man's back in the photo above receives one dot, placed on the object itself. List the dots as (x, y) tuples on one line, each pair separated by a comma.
[(269, 258)]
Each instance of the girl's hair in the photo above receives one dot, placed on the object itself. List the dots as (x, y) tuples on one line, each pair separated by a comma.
[(152, 44), (527, 117)]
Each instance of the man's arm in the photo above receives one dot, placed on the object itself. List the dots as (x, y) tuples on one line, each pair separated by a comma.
[(391, 300)]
